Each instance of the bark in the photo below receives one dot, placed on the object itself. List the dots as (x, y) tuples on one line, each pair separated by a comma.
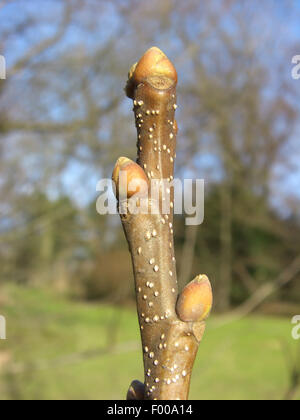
[(169, 344)]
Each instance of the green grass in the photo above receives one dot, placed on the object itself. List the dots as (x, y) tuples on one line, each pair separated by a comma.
[(240, 360)]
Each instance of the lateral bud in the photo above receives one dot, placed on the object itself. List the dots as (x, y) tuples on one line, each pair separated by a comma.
[(195, 301), (129, 179), (136, 391)]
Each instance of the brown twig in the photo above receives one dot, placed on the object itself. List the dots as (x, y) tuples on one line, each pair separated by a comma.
[(171, 326)]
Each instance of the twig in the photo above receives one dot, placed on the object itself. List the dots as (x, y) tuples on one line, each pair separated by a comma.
[(171, 328)]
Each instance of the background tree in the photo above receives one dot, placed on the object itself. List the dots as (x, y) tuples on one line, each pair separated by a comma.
[(63, 119)]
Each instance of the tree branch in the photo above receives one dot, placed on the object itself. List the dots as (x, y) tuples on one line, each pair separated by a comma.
[(170, 331), (43, 45)]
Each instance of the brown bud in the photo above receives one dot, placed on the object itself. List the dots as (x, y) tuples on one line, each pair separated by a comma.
[(154, 63), (129, 178), (136, 391), (195, 301)]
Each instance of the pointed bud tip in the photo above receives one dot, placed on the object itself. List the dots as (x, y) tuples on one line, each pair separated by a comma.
[(154, 63), (202, 278)]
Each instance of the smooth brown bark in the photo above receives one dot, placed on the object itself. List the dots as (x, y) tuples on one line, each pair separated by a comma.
[(169, 344)]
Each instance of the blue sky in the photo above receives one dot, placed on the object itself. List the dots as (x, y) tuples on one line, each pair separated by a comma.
[(79, 180)]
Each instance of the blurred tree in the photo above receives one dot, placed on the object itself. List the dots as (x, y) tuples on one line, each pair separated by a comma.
[(63, 122)]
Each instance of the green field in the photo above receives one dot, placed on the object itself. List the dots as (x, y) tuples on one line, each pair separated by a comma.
[(57, 349)]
